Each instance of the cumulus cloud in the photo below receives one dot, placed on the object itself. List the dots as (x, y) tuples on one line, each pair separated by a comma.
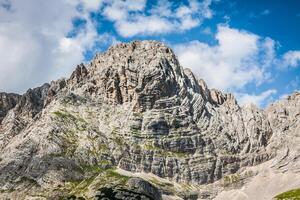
[(237, 59), (143, 25), (259, 100), (291, 59), (120, 10), (34, 42), (130, 17)]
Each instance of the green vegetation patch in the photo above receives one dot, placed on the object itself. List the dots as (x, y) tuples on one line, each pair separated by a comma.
[(64, 115), (135, 132), (118, 141), (68, 118), (161, 184), (80, 187), (92, 168), (231, 179), (109, 177), (165, 186), (112, 174), (98, 178), (7, 191), (72, 124), (289, 195)]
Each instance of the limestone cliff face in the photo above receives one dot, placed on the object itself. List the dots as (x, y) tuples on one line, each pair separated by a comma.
[(284, 117), (132, 108)]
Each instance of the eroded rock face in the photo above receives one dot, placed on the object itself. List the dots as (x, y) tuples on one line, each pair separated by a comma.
[(7, 102), (135, 108), (284, 117)]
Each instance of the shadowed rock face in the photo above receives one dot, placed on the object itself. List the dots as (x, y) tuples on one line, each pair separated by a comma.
[(135, 108), (137, 189), (7, 102), (120, 194)]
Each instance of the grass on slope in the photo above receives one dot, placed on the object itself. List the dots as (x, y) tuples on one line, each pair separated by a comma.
[(289, 195), (99, 178)]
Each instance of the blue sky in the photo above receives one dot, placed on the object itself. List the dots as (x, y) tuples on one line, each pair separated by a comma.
[(249, 48)]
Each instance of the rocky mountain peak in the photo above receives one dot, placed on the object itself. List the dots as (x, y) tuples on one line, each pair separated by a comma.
[(140, 72), (133, 110)]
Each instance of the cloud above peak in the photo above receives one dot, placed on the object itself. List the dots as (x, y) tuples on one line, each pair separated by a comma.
[(132, 19), (238, 59), (291, 59), (233, 62)]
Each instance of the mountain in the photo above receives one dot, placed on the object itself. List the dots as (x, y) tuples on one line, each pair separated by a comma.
[(134, 123)]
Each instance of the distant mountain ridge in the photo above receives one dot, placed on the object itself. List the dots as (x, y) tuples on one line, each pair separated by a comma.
[(134, 111)]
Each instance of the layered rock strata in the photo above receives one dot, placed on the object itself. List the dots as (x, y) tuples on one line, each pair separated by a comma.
[(133, 107)]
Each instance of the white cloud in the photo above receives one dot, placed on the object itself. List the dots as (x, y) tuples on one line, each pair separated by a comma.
[(239, 58), (235, 44), (162, 8), (86, 5), (143, 25), (132, 19), (259, 100), (91, 4), (269, 54), (119, 10), (291, 59), (33, 43)]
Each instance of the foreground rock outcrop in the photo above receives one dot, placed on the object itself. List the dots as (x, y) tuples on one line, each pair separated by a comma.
[(136, 189), (135, 108)]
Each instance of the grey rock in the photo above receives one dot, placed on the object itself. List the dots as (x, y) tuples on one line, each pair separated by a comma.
[(144, 187), (140, 190), (134, 107)]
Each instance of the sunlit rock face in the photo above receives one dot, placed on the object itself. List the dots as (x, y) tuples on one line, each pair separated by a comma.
[(134, 108)]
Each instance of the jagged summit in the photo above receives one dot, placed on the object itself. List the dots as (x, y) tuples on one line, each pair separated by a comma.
[(138, 46), (133, 109), (144, 68), (137, 63)]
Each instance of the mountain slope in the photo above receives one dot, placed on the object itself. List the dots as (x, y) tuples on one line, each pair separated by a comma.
[(134, 108), (281, 173)]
